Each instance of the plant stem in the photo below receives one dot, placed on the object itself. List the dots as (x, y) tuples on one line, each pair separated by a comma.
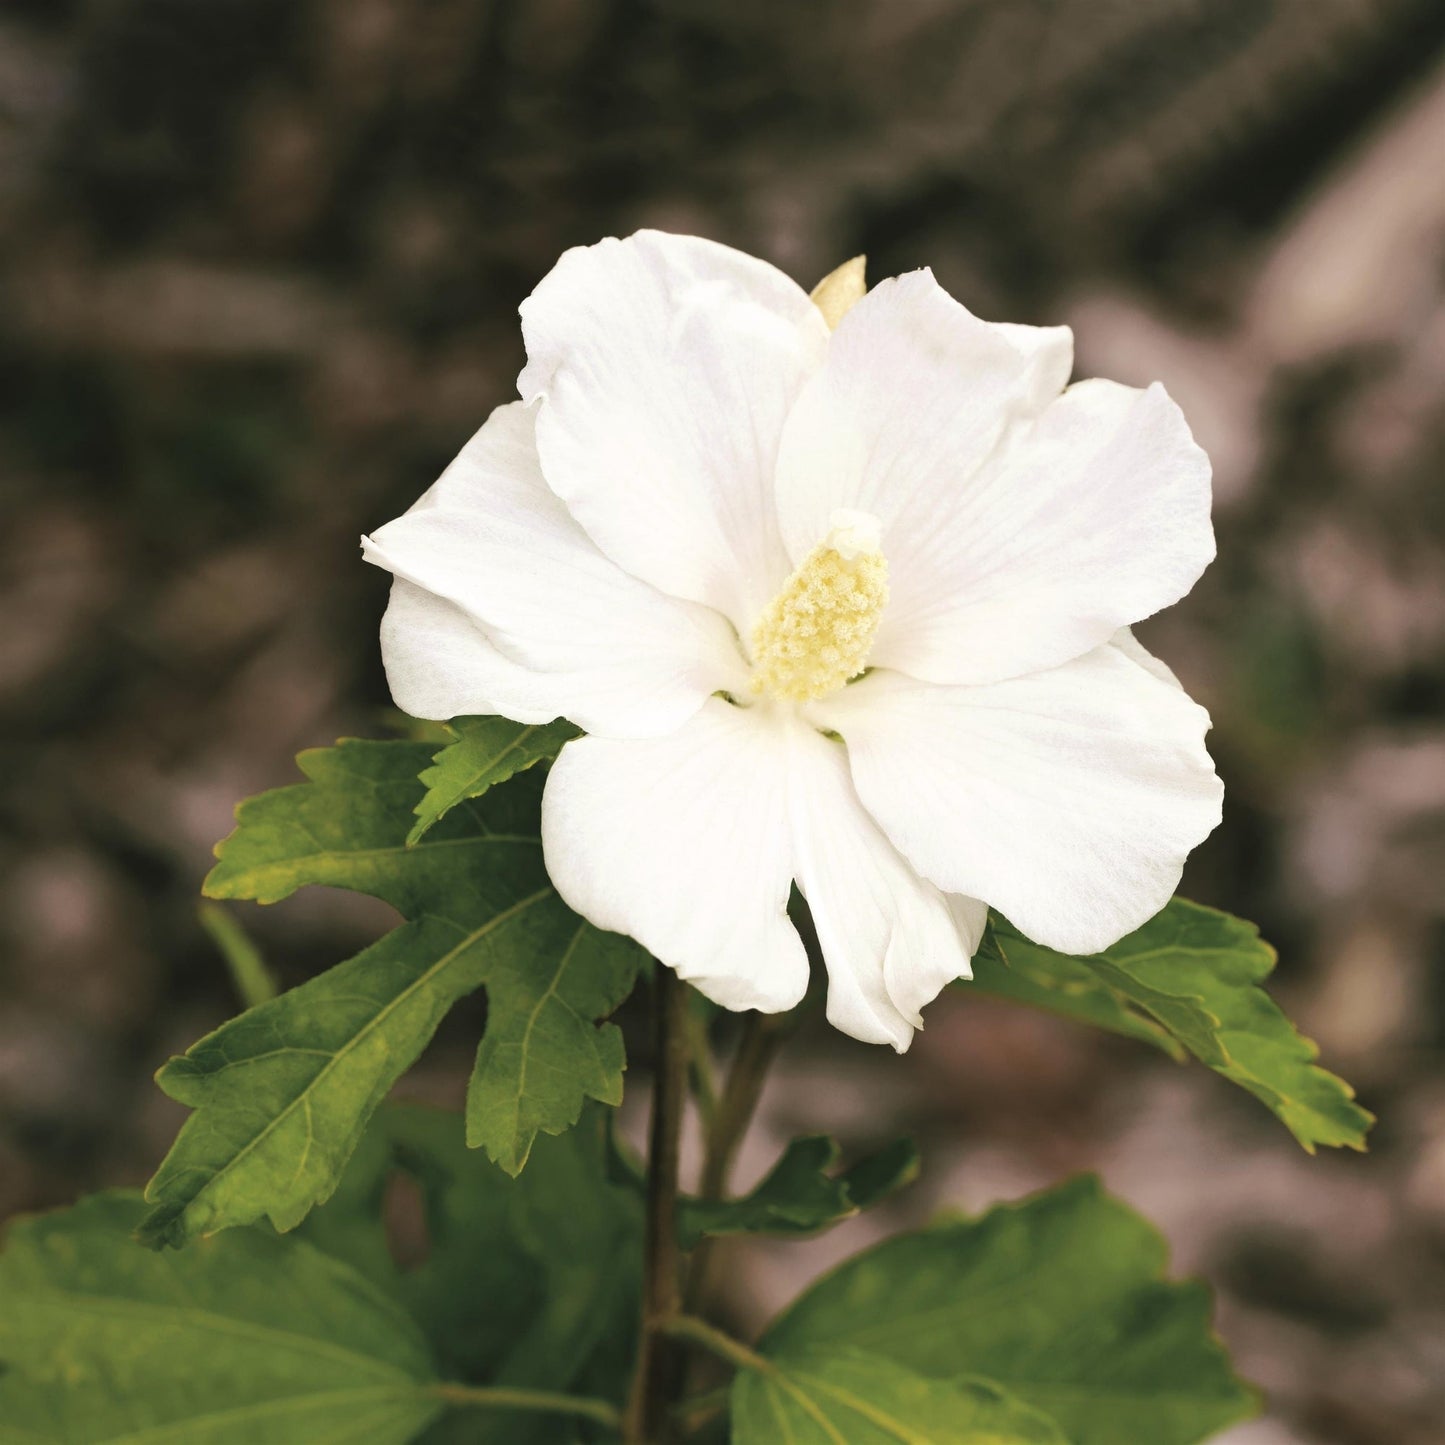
[(696, 1410), (759, 1042), (704, 1087), (250, 976), (658, 1377), (689, 1327), (762, 1034), (504, 1397)]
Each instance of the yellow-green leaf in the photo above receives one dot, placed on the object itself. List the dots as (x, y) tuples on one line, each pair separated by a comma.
[(484, 751), (1061, 985), (1060, 1301), (283, 1092), (243, 1339), (851, 1398), (1196, 974)]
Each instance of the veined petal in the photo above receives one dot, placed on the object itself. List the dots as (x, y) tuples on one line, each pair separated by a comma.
[(491, 539), (440, 664), (1068, 800), (915, 395), (1094, 517), (683, 843), (690, 845), (666, 366), (890, 939)]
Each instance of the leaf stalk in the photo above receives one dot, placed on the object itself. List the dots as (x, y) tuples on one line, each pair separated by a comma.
[(717, 1342), (505, 1397)]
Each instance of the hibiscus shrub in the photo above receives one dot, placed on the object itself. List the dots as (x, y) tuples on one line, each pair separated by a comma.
[(778, 652)]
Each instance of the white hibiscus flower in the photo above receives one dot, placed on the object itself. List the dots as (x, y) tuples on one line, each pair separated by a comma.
[(846, 609)]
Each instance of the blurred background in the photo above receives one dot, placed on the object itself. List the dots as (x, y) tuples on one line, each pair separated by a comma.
[(261, 263)]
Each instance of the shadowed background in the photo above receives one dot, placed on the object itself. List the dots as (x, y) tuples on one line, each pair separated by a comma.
[(261, 263)]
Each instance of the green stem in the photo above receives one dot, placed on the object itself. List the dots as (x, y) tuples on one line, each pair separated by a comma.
[(759, 1043), (252, 979), (504, 1397), (704, 1086), (761, 1037), (724, 1346), (658, 1378), (695, 1411)]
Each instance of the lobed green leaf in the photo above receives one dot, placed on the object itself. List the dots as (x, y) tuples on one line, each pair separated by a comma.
[(1059, 1301), (282, 1093), (543, 1052), (245, 1338), (1061, 985), (1195, 974), (484, 751)]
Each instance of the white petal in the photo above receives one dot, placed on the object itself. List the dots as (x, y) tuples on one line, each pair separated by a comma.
[(1130, 646), (913, 981), (682, 843), (915, 395), (889, 939), (440, 664), (1050, 354), (1067, 800), (667, 365), (491, 539), (1095, 517)]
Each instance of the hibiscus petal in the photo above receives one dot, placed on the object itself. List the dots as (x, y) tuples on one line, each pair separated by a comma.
[(1068, 800), (1095, 517), (915, 394), (492, 540), (1130, 646), (1022, 528), (668, 365), (683, 844), (890, 939), (440, 664)]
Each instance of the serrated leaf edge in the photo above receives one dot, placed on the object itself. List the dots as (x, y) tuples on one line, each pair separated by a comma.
[(160, 1228), (428, 777)]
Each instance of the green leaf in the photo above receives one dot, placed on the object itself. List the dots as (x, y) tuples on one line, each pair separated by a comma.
[(1197, 974), (1060, 1300), (486, 750), (542, 1052), (530, 1282), (283, 1092), (800, 1195), (246, 1338), (852, 1398), (1060, 985), (472, 1284)]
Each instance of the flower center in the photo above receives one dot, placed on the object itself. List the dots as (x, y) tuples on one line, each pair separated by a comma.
[(817, 632)]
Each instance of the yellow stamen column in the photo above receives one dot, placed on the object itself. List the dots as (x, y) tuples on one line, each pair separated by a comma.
[(817, 632)]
